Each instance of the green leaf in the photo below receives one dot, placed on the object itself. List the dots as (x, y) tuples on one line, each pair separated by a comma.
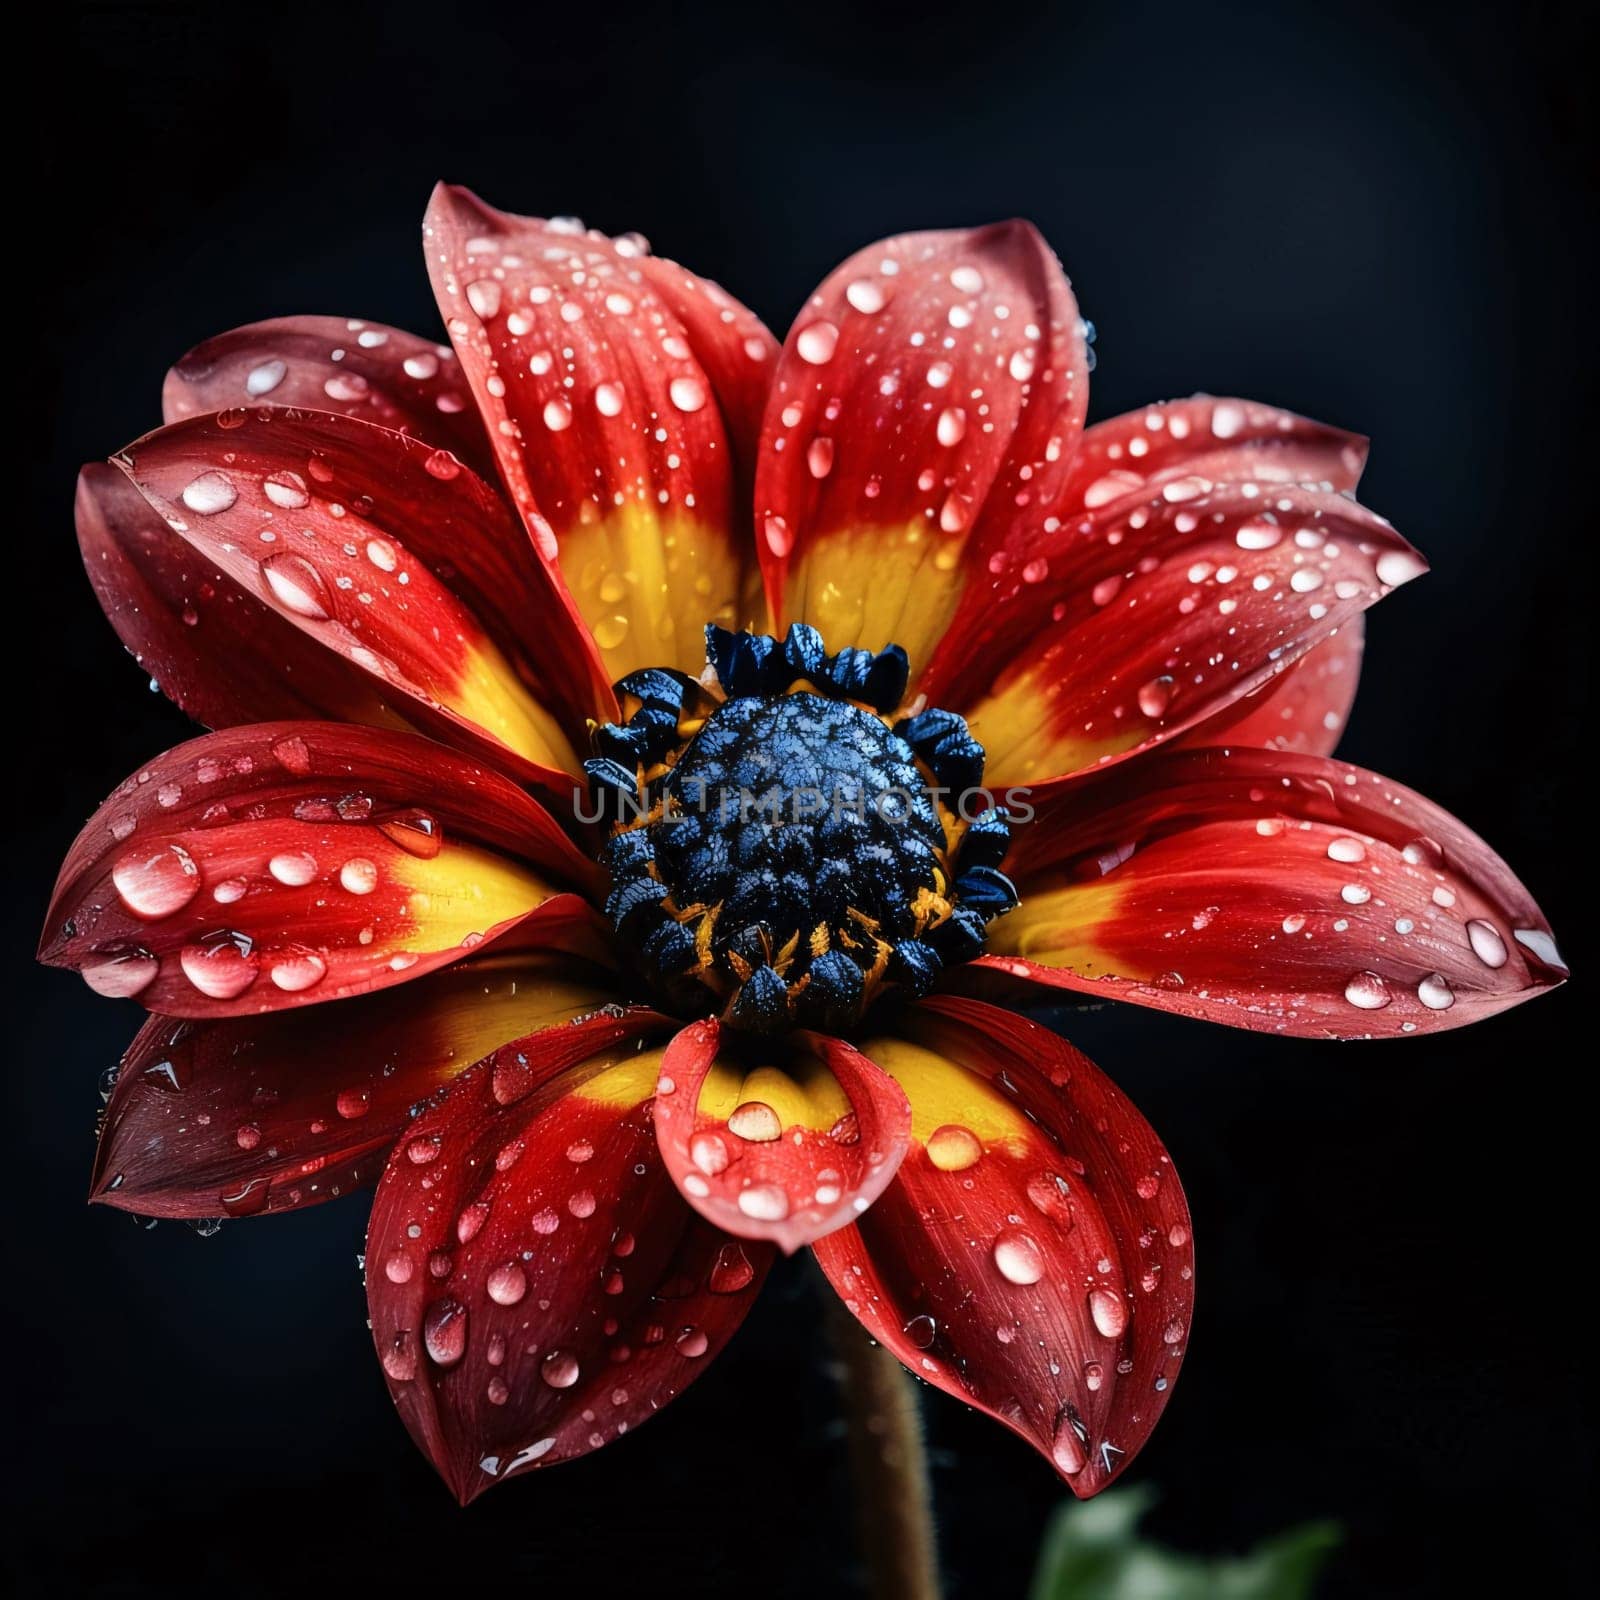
[(1092, 1551)]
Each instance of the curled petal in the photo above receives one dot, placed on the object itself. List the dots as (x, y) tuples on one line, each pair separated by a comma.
[(606, 418), (927, 379), (244, 1116), (285, 863), (536, 1288), (220, 652), (392, 556), (1303, 710), (1194, 600), (785, 1152), (1033, 1255), (359, 369), (1288, 894), (1225, 440)]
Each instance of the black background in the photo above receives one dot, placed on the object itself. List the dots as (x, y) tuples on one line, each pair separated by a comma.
[(1366, 213)]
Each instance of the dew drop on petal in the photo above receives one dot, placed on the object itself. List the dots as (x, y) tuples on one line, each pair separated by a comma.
[(210, 493), (1018, 1256), (1108, 1311), (816, 343), (444, 1332), (1487, 945)]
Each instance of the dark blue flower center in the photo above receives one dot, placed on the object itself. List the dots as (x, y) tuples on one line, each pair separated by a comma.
[(789, 848)]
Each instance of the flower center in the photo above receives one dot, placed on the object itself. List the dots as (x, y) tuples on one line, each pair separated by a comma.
[(786, 844)]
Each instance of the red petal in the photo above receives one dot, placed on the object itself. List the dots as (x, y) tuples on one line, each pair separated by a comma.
[(285, 863), (359, 369), (250, 1115), (606, 421), (785, 1152), (222, 654), (1187, 603), (1277, 892), (1033, 1255), (1227, 441), (1053, 548), (730, 342), (927, 379), (393, 556), (536, 1288), (1303, 710)]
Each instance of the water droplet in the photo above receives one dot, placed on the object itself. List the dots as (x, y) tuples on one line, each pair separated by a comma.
[(819, 457), (416, 832), (265, 378), (1487, 945), (765, 1202), (444, 1332), (952, 426), (358, 876), (156, 883), (867, 295), (731, 1271), (297, 586), (1018, 1256), (507, 1284), (817, 342), (120, 974), (559, 1369), (692, 1342), (483, 295), (1367, 992), (1066, 1448), (286, 490), (687, 394), (756, 1122), (210, 493), (1435, 993), (1108, 1311), (609, 399), (921, 1331), (1399, 566), (952, 1148), (709, 1153), (293, 868), (1347, 850), (780, 541), (298, 970), (1155, 697), (222, 965)]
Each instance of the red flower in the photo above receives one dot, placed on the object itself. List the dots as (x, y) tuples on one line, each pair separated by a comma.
[(414, 586)]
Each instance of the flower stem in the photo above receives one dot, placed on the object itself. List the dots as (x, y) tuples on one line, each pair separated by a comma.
[(888, 1464)]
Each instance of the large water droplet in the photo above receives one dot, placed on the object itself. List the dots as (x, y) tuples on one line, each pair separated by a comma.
[(1108, 1311), (1018, 1256), (210, 493), (444, 1332), (222, 965), (297, 586), (120, 974), (154, 883), (953, 1148)]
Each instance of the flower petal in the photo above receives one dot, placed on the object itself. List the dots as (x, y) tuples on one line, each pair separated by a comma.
[(1187, 604), (220, 653), (1032, 1256), (785, 1151), (606, 421), (730, 342), (1225, 440), (285, 863), (1303, 710), (536, 1288), (394, 557), (926, 379), (243, 1116), (359, 369), (1283, 893)]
